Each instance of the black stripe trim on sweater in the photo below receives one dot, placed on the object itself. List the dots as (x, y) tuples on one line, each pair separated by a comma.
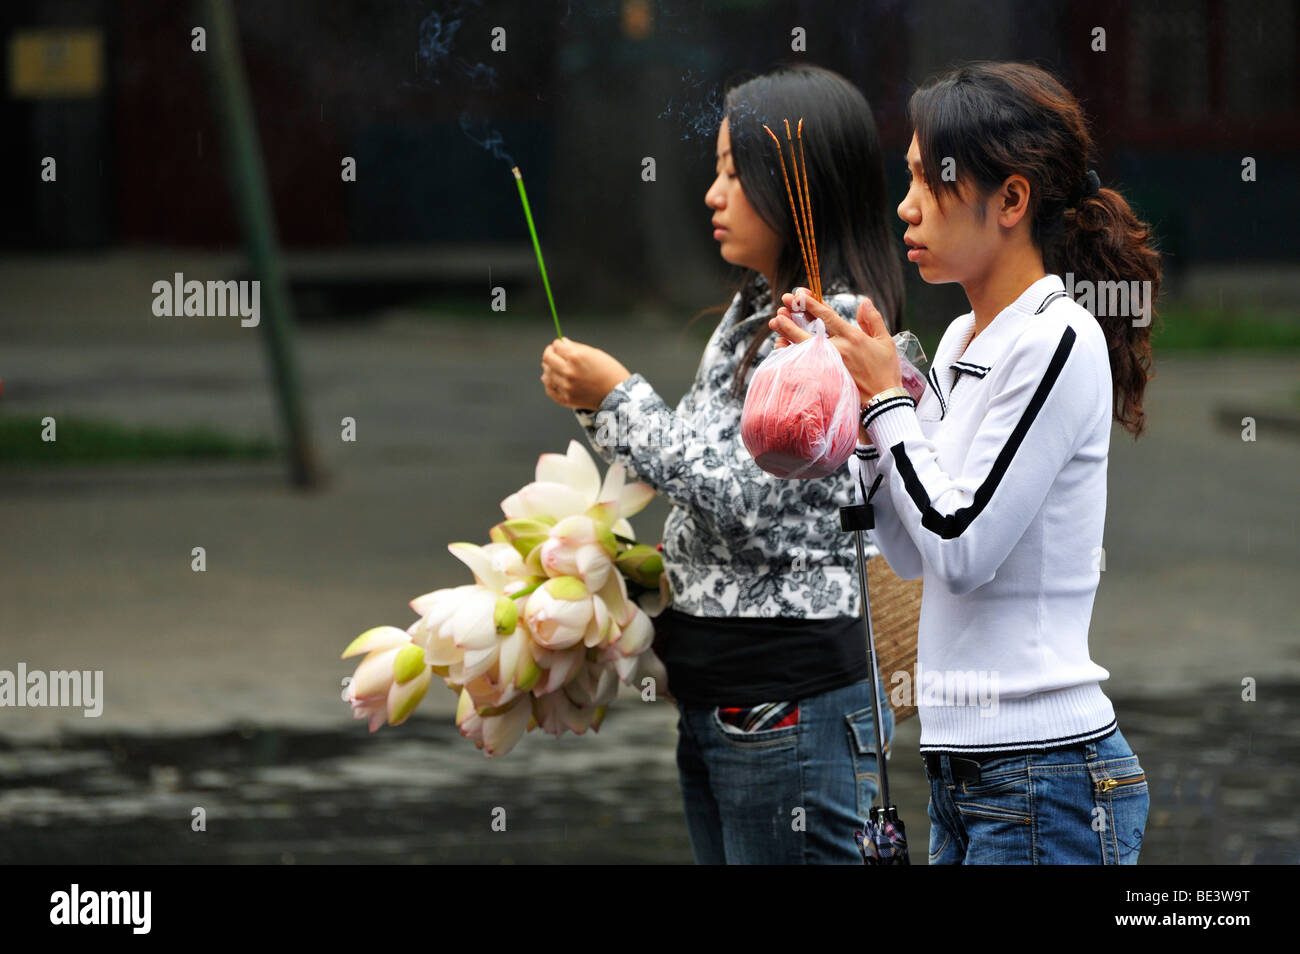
[(1059, 293), (973, 369), (951, 525), (873, 412), (1037, 746), (938, 392), (867, 453)]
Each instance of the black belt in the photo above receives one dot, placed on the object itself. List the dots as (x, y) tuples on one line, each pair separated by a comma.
[(968, 767), (962, 768)]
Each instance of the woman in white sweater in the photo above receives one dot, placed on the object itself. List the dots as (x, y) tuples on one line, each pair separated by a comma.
[(993, 487)]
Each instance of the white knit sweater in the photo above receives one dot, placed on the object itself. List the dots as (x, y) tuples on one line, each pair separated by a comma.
[(994, 490)]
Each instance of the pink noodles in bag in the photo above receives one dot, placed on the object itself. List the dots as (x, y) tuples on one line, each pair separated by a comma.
[(801, 411)]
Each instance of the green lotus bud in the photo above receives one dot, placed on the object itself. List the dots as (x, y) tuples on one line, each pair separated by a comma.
[(605, 537), (567, 588), (642, 564), (523, 533), (408, 663), (505, 614), (527, 673)]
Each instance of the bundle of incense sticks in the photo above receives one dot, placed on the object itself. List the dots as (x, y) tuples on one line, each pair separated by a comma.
[(802, 209)]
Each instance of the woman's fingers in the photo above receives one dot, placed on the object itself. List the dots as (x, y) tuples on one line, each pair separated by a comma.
[(836, 327), (870, 320), (784, 325)]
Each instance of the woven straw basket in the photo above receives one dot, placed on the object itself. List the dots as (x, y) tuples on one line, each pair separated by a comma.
[(895, 615)]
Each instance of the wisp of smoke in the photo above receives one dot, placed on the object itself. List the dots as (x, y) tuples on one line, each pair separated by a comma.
[(489, 138), (436, 37)]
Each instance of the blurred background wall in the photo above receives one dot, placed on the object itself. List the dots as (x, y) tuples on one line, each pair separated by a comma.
[(1184, 90)]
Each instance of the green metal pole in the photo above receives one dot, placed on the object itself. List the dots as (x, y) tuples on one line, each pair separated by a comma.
[(247, 175)]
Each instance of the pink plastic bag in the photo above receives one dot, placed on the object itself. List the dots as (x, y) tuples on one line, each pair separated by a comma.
[(801, 412)]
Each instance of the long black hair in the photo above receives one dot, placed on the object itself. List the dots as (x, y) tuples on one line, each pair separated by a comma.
[(846, 183), (1001, 119)]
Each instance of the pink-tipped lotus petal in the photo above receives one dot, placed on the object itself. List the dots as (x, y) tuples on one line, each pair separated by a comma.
[(377, 639), (546, 711), (506, 559), (442, 651), (606, 687), (637, 635), (544, 499), (473, 626), (562, 669), (375, 673), (634, 670), (611, 491), (477, 662), (558, 558), (594, 565), (501, 732), (480, 564), (512, 648), (614, 593), (599, 627), (445, 604), (405, 696), (634, 499), (577, 718), (419, 633), (569, 470), (464, 707)]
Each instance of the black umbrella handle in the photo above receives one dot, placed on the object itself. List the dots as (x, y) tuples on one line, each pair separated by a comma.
[(856, 519)]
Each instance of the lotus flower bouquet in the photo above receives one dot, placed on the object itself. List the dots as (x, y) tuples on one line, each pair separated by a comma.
[(556, 616)]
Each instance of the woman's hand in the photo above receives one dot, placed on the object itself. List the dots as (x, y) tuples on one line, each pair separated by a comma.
[(867, 348), (578, 375)]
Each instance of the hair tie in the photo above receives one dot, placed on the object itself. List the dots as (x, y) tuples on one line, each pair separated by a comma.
[(1092, 184)]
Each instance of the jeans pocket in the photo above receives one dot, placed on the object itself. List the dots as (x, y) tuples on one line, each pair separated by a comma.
[(1120, 813), (784, 736), (1001, 794), (862, 749)]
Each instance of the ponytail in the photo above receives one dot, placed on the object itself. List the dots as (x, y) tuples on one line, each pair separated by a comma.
[(1001, 119), (1103, 241)]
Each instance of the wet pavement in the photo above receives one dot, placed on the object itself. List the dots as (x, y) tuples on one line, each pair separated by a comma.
[(1222, 775)]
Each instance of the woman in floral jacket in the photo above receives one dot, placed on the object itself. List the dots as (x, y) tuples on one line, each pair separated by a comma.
[(763, 642)]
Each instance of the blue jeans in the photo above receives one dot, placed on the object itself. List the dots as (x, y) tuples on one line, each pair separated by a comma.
[(1085, 805), (792, 795)]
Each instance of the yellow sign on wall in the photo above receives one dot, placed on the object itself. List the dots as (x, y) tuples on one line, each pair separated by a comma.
[(52, 63)]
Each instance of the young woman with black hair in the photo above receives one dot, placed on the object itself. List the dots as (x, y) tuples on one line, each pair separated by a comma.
[(763, 643), (993, 487)]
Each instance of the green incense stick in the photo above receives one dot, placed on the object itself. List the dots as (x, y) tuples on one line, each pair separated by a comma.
[(537, 246)]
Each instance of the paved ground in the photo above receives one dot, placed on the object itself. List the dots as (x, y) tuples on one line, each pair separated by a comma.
[(1198, 590)]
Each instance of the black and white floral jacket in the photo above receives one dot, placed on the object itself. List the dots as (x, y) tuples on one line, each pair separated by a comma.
[(738, 542)]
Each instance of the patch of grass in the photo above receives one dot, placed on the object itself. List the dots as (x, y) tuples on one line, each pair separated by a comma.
[(1181, 327), (91, 441)]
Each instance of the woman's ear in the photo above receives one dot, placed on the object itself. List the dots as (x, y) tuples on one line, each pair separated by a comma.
[(1014, 201)]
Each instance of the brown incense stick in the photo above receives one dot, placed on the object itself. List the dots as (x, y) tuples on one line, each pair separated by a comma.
[(812, 236), (802, 208)]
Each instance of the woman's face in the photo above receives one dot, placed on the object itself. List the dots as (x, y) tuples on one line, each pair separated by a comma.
[(948, 244), (744, 237)]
